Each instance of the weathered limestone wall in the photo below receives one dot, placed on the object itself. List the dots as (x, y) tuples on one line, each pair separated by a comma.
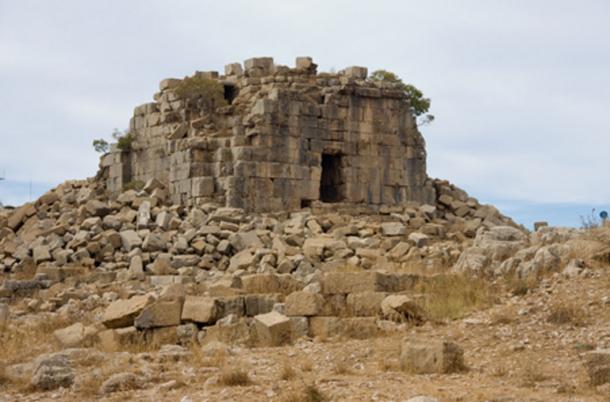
[(288, 137)]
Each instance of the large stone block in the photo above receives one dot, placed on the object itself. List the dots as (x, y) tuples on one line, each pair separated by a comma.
[(355, 282), (273, 329), (122, 313), (365, 304), (269, 283), (163, 313), (303, 304), (597, 363), (203, 310), (421, 356), (260, 303)]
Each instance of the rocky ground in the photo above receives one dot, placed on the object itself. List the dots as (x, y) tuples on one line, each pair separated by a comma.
[(133, 299)]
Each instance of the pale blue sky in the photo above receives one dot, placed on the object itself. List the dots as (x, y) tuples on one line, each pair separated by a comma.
[(520, 89)]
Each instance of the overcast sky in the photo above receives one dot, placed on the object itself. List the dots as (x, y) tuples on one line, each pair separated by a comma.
[(520, 89)]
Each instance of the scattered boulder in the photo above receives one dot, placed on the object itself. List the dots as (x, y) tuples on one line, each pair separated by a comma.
[(273, 329), (122, 313), (431, 356), (52, 371), (401, 308), (121, 382), (597, 363)]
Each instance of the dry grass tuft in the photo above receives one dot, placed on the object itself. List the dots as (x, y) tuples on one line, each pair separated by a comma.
[(307, 365), (387, 365), (26, 341), (518, 286), (309, 393), (532, 372), (234, 377), (287, 372), (504, 316), (564, 312), (341, 368), (449, 297)]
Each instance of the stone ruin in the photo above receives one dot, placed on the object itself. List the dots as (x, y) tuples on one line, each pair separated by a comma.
[(286, 138)]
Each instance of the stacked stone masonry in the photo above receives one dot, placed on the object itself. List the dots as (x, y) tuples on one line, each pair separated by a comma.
[(287, 137)]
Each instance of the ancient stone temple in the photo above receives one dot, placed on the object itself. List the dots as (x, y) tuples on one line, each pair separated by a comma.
[(279, 138)]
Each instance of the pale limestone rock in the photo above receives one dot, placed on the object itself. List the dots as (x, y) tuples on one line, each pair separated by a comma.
[(273, 329), (393, 229), (199, 309), (162, 313), (130, 239), (431, 356), (122, 313), (303, 304)]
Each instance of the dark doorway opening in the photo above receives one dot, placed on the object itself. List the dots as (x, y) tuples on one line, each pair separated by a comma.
[(331, 180), (230, 93)]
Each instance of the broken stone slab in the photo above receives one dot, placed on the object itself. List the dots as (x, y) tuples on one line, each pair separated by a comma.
[(365, 304), (597, 363), (420, 356), (401, 308), (130, 239), (393, 229), (41, 254), (18, 217), (242, 260), (273, 329), (52, 371), (200, 309), (162, 313), (302, 303), (244, 240), (419, 239), (122, 313)]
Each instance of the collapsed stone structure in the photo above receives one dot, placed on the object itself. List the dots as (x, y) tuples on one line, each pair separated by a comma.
[(286, 137)]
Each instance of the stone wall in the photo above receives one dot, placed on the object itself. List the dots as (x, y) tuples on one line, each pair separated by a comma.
[(287, 137)]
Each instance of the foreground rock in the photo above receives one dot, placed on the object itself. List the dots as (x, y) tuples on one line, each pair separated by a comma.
[(430, 356)]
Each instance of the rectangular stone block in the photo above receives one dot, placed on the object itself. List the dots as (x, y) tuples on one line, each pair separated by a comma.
[(365, 304), (273, 329), (303, 304), (199, 309)]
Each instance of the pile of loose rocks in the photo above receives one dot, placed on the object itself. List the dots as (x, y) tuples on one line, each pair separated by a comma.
[(149, 269)]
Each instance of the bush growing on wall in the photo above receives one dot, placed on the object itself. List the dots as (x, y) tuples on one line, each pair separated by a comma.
[(207, 92), (420, 105)]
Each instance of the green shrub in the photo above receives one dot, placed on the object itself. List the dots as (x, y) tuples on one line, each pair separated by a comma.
[(101, 145), (420, 105), (205, 90)]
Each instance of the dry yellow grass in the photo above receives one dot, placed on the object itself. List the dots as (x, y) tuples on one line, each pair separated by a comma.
[(565, 312), (308, 393), (532, 372), (504, 316), (450, 296), (307, 365), (341, 368), (26, 341), (287, 372), (234, 377)]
